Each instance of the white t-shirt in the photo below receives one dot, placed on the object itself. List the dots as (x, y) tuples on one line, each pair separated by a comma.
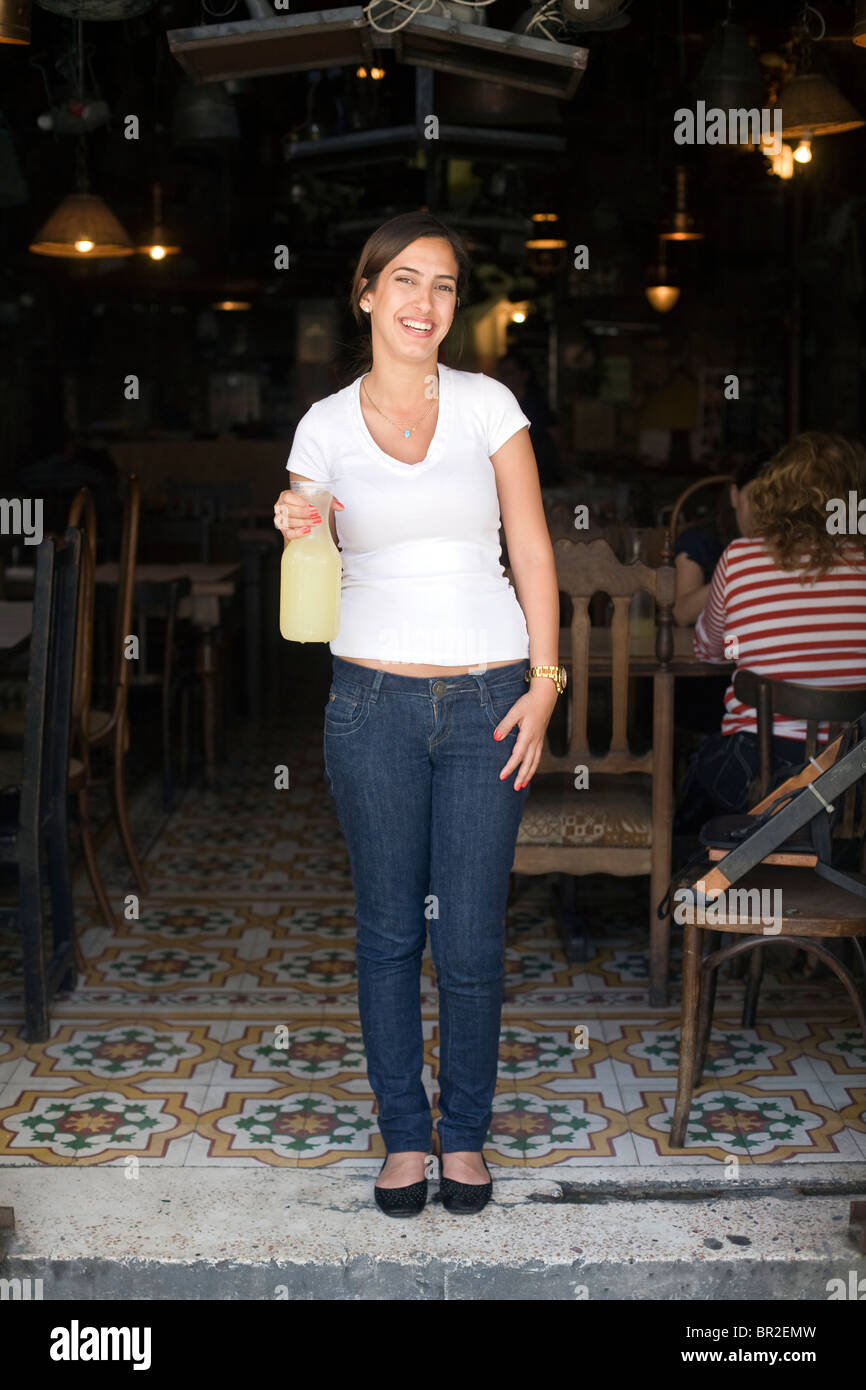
[(422, 576)]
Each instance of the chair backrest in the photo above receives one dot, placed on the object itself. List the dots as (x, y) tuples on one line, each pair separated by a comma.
[(50, 680), (126, 582), (713, 480), (817, 705), (29, 813), (582, 570), (83, 513)]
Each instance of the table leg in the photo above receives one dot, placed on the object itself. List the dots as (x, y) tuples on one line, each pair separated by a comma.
[(207, 671), (252, 557)]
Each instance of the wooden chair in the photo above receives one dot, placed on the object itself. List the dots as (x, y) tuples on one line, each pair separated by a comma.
[(621, 823), (816, 705), (813, 907), (33, 791), (111, 726), (673, 526), (82, 514)]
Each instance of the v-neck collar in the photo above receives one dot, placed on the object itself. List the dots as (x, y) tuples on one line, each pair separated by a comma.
[(437, 443)]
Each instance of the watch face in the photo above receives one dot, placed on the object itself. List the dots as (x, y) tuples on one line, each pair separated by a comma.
[(563, 676)]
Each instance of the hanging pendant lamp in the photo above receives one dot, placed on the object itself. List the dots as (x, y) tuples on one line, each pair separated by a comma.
[(83, 228), (812, 105), (14, 21), (204, 114), (661, 287), (730, 75), (681, 225), (859, 35), (158, 246)]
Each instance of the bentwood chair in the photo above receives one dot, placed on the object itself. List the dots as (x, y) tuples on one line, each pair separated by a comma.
[(817, 705), (612, 813), (102, 727), (813, 907), (673, 526), (33, 793)]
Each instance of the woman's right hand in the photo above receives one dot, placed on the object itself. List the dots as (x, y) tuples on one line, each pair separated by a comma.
[(294, 516)]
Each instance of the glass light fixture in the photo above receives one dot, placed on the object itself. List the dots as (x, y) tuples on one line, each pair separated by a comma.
[(681, 225), (859, 35), (14, 21), (158, 247)]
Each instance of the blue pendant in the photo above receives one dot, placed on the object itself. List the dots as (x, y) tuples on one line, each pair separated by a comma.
[(406, 434)]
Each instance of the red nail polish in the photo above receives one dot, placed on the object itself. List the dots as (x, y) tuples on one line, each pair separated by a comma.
[(496, 734)]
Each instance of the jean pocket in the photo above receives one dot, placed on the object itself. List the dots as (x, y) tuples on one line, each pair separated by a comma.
[(501, 698), (347, 708)]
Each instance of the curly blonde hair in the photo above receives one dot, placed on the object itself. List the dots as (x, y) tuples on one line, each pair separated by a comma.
[(789, 501)]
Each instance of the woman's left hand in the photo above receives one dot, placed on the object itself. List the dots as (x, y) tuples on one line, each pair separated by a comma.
[(531, 713)]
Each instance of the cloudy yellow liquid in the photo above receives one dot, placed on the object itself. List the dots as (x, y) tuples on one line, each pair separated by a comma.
[(310, 577)]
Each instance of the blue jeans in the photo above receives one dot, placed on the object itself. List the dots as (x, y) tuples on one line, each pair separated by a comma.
[(717, 779), (430, 829)]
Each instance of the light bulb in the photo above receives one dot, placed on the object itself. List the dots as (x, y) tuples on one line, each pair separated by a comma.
[(518, 317), (803, 152), (83, 244), (157, 253)]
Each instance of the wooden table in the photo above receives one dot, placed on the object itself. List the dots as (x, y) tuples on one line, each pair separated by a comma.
[(210, 583), (642, 658), (16, 625)]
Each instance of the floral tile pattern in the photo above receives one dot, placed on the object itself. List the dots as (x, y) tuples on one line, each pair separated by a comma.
[(217, 1024)]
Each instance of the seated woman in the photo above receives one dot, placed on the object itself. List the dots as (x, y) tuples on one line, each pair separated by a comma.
[(789, 603), (699, 548), (699, 705)]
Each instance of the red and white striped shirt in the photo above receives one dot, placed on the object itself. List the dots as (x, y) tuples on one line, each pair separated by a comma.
[(769, 621)]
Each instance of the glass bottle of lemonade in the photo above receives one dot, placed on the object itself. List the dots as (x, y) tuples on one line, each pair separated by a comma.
[(310, 576)]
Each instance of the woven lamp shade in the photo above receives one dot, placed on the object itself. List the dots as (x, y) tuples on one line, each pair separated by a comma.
[(811, 105), (80, 217)]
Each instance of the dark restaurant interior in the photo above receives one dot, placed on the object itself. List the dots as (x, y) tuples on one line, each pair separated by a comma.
[(185, 188)]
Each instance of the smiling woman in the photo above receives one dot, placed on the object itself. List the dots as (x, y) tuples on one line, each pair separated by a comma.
[(433, 707)]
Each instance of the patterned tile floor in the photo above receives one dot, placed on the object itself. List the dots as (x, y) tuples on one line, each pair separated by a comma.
[(217, 1025)]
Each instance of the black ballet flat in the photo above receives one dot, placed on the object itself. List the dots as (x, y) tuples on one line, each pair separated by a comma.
[(401, 1201), (465, 1198)]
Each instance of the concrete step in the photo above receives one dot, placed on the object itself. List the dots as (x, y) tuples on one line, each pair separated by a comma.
[(256, 1233)]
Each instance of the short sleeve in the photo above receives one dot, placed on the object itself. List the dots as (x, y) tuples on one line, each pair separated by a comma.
[(701, 547), (307, 455), (503, 416)]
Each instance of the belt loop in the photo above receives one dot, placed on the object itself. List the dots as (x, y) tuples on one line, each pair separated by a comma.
[(482, 689), (376, 686)]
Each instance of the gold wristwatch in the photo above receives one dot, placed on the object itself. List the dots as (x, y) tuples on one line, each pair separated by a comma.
[(555, 673)]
